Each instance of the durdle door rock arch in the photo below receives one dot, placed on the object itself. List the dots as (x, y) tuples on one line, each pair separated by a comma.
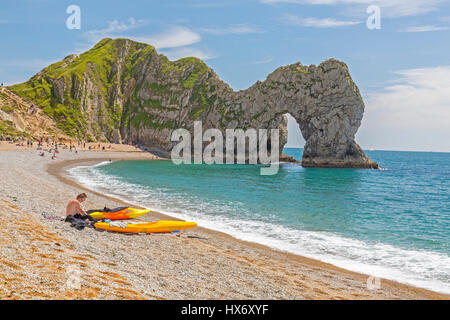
[(124, 91), (324, 101)]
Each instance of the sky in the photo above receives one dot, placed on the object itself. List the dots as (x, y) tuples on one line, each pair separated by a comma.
[(402, 68)]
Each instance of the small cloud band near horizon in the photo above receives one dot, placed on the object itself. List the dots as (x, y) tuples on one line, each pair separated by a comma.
[(424, 29), (317, 22)]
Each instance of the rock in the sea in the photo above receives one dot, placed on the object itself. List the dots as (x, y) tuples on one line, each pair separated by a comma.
[(286, 158), (122, 90)]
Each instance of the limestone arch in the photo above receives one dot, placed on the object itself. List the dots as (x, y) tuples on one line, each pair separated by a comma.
[(323, 100)]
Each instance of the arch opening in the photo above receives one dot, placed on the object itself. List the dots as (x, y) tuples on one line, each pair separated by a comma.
[(295, 141)]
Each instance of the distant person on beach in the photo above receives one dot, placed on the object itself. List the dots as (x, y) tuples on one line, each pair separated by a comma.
[(75, 209)]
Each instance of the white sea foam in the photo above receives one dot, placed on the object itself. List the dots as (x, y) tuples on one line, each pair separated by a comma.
[(101, 164), (420, 268)]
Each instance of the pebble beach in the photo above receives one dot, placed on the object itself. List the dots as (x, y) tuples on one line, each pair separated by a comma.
[(39, 257)]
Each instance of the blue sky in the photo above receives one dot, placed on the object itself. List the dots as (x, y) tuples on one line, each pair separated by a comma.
[(402, 69)]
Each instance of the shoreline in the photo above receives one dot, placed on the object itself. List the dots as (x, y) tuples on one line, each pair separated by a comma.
[(198, 263), (59, 171)]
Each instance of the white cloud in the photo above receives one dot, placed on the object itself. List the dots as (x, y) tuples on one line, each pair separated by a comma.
[(13, 71), (174, 42), (268, 59), (174, 37), (114, 27), (424, 29), (31, 64), (232, 29), (209, 4), (390, 8), (183, 52), (16, 71), (412, 113), (317, 22)]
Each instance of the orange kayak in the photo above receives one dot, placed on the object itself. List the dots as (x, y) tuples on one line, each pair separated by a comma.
[(146, 227), (122, 213)]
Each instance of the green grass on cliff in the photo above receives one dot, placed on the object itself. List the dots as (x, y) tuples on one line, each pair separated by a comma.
[(201, 101), (128, 84), (7, 128), (197, 66), (191, 70), (146, 120), (60, 89), (200, 68), (95, 64), (7, 108)]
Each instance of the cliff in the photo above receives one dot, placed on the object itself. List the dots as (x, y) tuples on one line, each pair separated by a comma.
[(124, 91)]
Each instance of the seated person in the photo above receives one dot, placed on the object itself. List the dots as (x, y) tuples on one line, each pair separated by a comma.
[(75, 209)]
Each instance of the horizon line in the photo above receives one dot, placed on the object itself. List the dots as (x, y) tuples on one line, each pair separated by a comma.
[(368, 149)]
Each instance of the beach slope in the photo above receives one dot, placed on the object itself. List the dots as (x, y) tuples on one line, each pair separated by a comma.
[(37, 254)]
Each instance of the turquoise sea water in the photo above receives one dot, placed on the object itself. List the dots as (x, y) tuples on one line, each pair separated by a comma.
[(392, 223)]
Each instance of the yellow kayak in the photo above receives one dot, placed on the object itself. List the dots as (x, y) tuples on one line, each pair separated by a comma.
[(122, 213), (146, 227)]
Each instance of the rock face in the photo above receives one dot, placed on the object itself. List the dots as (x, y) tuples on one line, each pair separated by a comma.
[(124, 91)]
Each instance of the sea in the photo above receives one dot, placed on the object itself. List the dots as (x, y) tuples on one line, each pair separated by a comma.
[(392, 223)]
